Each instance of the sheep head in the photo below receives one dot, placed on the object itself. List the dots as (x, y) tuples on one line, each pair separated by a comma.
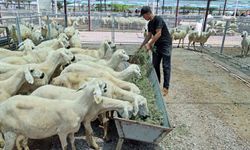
[(27, 45), (127, 110), (31, 73), (64, 40), (136, 70), (122, 55), (244, 34), (107, 48), (98, 87), (67, 55), (143, 106)]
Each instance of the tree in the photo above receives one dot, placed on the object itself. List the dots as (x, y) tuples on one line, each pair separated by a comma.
[(59, 6)]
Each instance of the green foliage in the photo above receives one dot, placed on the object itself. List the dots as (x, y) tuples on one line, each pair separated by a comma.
[(119, 7), (59, 5), (142, 58)]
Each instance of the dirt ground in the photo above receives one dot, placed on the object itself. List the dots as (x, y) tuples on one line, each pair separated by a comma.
[(209, 108)]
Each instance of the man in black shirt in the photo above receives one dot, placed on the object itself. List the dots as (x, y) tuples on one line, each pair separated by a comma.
[(158, 35)]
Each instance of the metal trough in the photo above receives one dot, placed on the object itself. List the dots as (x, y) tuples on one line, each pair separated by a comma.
[(141, 131)]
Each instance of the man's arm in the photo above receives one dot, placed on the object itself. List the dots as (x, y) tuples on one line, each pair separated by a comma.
[(148, 37), (154, 38)]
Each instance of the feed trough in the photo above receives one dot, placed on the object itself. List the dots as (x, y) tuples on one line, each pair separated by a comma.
[(142, 131)]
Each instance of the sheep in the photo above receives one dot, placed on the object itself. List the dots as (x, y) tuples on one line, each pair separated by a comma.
[(180, 34), (60, 42), (118, 57), (51, 91), (63, 117), (50, 67), (70, 78), (201, 38), (36, 56), (245, 43), (70, 31), (53, 31), (36, 36), (105, 51), (25, 32), (6, 53), (133, 70), (54, 60), (75, 40), (26, 46), (10, 86)]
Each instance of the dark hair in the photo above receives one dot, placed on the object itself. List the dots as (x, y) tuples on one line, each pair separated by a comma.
[(145, 9)]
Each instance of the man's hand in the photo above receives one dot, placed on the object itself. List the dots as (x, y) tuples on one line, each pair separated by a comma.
[(148, 46)]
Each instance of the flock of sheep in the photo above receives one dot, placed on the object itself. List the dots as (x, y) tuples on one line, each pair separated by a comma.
[(195, 34), (52, 87)]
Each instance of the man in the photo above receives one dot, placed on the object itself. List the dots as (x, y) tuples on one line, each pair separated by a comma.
[(158, 35)]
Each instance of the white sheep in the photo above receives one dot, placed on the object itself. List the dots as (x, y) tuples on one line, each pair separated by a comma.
[(25, 32), (72, 78), (202, 37), (180, 34), (56, 92), (118, 57), (113, 91), (245, 43), (127, 74), (36, 56), (10, 86), (55, 117), (60, 42), (53, 61), (36, 36), (7, 53), (107, 48), (70, 31), (75, 40), (26, 46)]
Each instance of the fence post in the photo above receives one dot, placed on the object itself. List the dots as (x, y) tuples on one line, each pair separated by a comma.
[(48, 24), (19, 38), (113, 29), (224, 37)]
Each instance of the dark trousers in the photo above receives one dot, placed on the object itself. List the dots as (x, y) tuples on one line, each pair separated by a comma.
[(164, 54)]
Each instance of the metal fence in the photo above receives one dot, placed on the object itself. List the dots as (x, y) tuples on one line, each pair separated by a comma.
[(226, 44)]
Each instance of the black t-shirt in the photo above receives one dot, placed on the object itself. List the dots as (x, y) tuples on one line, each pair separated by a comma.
[(158, 23)]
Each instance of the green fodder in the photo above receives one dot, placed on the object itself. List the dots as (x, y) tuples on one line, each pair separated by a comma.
[(142, 58)]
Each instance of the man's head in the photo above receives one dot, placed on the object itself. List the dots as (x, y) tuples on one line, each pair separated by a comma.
[(146, 12)]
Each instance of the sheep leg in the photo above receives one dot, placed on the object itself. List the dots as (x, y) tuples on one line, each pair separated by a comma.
[(105, 127), (63, 140), (183, 43), (194, 45), (189, 45), (179, 43), (10, 138), (247, 51), (72, 141), (89, 135), (1, 141), (22, 143)]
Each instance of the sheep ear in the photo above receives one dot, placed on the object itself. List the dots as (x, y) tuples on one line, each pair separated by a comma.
[(82, 87), (29, 78), (62, 44)]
